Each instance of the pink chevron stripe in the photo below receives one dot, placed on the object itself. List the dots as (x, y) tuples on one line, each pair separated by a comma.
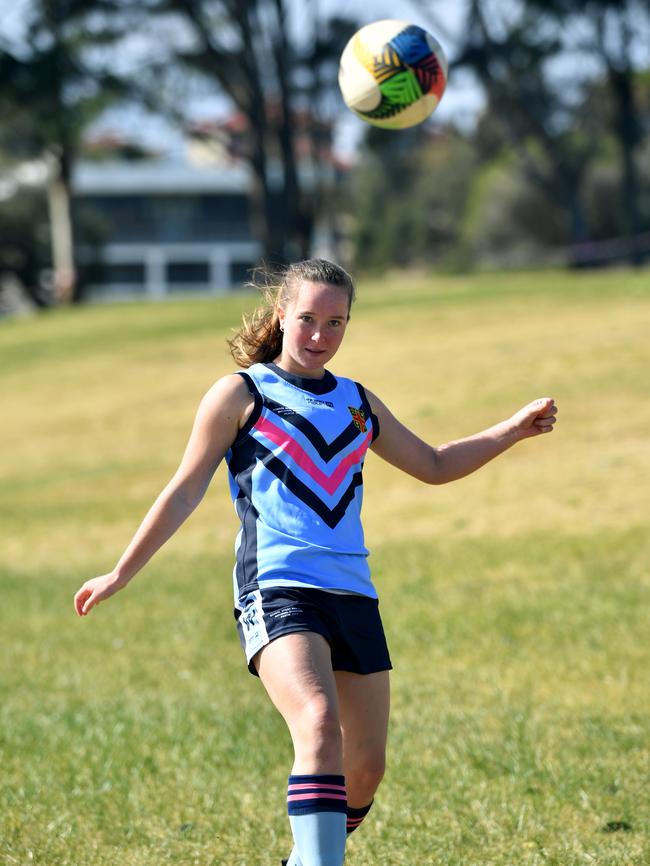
[(292, 797), (316, 785), (329, 483), (354, 822)]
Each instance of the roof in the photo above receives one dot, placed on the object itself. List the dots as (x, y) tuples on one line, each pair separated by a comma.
[(156, 177)]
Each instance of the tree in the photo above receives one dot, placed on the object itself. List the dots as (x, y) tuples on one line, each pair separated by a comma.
[(49, 93), (511, 58), (246, 50), (615, 33), (408, 198), (527, 57)]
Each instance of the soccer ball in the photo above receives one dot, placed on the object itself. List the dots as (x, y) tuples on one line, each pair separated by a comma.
[(392, 74)]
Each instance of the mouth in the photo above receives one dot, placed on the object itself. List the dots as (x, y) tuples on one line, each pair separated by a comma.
[(315, 351)]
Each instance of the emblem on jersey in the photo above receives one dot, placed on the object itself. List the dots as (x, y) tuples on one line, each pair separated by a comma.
[(359, 418)]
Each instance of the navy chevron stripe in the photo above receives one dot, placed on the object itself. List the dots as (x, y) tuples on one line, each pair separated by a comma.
[(331, 516), (326, 450), (242, 462)]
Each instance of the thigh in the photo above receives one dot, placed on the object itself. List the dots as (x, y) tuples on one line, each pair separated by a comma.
[(296, 671), (364, 705)]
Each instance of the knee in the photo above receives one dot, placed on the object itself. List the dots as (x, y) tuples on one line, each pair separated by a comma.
[(365, 777), (319, 725)]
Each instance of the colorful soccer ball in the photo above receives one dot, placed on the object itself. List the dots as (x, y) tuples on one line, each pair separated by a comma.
[(392, 74)]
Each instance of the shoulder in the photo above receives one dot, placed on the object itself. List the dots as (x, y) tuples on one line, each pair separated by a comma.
[(233, 385), (230, 396), (376, 405)]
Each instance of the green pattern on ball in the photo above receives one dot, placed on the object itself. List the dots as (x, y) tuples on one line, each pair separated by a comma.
[(402, 89)]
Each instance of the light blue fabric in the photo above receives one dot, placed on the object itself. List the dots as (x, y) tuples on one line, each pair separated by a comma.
[(295, 476), (319, 839)]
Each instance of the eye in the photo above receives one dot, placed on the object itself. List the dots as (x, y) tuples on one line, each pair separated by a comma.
[(305, 318), (335, 323)]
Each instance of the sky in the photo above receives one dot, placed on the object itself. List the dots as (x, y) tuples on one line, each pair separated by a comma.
[(461, 102)]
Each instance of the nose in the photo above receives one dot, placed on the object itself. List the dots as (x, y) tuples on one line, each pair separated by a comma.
[(316, 335)]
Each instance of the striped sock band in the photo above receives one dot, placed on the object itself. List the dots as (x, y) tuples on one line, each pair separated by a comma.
[(309, 794), (356, 816)]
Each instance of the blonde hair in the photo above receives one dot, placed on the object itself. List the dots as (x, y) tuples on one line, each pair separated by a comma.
[(259, 340)]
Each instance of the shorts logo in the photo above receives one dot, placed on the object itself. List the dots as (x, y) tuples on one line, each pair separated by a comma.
[(359, 418), (249, 619)]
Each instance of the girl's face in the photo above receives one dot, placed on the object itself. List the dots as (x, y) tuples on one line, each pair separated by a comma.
[(314, 324)]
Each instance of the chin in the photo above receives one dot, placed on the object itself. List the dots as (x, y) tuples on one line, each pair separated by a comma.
[(309, 360)]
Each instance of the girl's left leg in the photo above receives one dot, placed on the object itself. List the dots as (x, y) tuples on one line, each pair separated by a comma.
[(364, 704)]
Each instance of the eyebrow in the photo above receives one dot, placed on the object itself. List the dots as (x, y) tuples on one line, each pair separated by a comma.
[(311, 313)]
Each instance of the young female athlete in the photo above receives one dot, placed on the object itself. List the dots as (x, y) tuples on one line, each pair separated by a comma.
[(295, 438)]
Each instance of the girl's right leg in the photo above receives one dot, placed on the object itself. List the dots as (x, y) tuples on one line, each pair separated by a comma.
[(296, 670)]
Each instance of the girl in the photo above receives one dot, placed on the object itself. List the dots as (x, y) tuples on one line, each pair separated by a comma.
[(295, 437)]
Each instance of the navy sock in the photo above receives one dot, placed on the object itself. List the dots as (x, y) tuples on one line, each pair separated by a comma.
[(317, 809), (356, 816)]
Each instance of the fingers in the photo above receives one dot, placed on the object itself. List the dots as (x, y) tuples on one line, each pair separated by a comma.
[(95, 591), (90, 604), (545, 424), (537, 417), (83, 601), (545, 406), (547, 414)]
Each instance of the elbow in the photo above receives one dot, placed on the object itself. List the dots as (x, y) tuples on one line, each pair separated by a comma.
[(434, 474), (186, 498)]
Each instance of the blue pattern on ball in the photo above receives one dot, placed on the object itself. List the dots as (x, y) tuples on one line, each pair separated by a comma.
[(411, 45)]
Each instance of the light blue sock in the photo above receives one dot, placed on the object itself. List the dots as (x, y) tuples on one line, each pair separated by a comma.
[(355, 817), (317, 812)]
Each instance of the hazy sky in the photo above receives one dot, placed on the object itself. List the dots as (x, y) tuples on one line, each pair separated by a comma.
[(461, 101)]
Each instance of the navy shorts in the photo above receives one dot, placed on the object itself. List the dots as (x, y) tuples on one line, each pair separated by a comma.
[(350, 624)]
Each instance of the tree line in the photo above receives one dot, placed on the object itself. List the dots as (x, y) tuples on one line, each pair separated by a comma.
[(558, 159)]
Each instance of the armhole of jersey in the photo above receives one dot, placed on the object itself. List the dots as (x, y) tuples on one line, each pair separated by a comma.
[(257, 408), (369, 413)]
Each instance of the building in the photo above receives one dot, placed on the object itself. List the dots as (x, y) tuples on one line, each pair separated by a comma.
[(184, 225), (164, 226)]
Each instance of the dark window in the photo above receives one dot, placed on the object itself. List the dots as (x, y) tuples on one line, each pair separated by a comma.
[(127, 272), (188, 273), (240, 273), (169, 218)]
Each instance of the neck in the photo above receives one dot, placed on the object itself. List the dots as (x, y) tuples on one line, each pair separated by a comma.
[(289, 366)]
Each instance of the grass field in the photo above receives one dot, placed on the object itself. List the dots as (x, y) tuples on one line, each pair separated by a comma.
[(516, 601)]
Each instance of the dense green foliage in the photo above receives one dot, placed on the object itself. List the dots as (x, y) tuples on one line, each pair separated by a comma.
[(559, 156)]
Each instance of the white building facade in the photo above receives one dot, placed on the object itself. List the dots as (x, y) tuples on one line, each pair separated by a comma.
[(164, 227)]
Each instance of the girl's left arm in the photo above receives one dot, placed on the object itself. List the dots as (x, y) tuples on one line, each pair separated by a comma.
[(438, 465)]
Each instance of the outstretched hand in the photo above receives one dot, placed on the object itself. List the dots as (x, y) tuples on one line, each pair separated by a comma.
[(535, 418), (96, 590)]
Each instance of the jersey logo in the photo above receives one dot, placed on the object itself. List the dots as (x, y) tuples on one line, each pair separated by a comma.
[(359, 418)]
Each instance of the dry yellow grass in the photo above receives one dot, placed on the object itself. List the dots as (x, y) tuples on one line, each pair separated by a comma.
[(91, 435)]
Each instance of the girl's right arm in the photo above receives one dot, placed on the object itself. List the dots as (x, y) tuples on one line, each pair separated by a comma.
[(222, 412)]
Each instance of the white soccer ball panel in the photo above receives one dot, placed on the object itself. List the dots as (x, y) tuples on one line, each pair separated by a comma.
[(377, 34), (358, 84)]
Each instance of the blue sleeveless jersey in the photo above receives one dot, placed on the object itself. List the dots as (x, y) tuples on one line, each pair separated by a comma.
[(295, 479)]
